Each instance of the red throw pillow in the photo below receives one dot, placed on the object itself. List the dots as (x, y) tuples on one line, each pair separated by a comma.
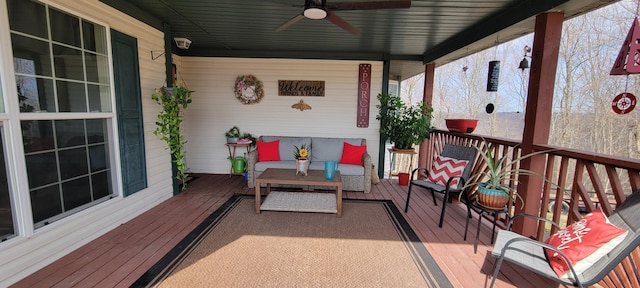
[(444, 168), (352, 154), (584, 243), (268, 151)]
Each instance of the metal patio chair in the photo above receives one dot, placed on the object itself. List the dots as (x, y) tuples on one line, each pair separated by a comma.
[(452, 151), (529, 253)]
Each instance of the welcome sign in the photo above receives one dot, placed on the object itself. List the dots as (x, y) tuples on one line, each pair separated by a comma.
[(300, 88)]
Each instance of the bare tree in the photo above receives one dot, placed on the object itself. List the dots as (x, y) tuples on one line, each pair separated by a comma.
[(582, 114)]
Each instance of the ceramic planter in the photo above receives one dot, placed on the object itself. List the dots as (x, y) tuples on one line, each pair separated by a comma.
[(302, 165), (490, 198)]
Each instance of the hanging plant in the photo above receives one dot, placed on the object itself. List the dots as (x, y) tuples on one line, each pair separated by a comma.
[(173, 101), (248, 89)]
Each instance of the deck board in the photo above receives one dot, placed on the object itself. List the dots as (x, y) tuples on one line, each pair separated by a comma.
[(121, 256)]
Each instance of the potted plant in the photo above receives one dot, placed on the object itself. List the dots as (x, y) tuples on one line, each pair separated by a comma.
[(249, 137), (302, 163), (401, 124), (232, 134), (493, 191), (173, 101)]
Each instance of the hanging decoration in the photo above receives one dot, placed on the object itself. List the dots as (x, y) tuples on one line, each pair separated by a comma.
[(301, 106), (623, 103), (489, 108), (493, 76), (248, 89), (626, 61)]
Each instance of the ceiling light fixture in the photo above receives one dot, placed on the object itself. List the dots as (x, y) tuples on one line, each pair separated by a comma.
[(315, 9), (182, 43)]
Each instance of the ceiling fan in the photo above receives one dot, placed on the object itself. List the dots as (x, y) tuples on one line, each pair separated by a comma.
[(320, 9)]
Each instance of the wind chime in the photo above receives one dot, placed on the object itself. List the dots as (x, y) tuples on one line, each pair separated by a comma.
[(493, 77), (627, 63)]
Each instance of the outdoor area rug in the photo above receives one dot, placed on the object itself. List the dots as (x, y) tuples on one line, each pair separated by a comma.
[(371, 245)]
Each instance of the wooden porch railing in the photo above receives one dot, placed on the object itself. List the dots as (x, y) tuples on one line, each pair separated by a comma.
[(579, 182)]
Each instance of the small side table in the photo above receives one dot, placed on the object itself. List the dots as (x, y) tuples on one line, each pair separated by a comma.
[(232, 153), (392, 152), (482, 209)]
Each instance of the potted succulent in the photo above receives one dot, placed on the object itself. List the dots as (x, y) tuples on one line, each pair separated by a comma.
[(403, 125), (493, 191), (232, 134)]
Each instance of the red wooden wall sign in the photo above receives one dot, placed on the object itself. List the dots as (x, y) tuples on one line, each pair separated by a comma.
[(364, 95)]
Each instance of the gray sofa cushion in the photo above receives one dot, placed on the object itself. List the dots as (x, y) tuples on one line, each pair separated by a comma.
[(330, 148), (345, 169), (288, 164), (288, 146)]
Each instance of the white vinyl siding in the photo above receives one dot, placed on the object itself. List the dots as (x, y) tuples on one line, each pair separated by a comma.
[(33, 249), (215, 109)]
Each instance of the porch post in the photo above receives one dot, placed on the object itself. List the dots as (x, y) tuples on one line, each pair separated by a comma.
[(537, 120), (168, 61), (427, 97), (386, 68)]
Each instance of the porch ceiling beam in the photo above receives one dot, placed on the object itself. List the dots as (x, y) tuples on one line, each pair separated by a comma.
[(517, 12), (297, 55)]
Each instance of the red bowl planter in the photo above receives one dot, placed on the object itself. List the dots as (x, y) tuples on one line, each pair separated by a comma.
[(461, 125)]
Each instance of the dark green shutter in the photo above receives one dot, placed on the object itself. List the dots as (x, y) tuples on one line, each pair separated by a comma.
[(128, 108)]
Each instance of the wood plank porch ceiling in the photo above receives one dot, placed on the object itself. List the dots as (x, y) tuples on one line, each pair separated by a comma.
[(431, 31)]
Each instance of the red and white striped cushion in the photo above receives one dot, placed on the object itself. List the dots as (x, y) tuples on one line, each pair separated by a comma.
[(444, 168)]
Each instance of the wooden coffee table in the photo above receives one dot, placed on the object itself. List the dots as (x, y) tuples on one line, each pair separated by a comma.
[(292, 201)]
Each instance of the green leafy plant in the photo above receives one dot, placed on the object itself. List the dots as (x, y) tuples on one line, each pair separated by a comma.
[(403, 125), (234, 132), (249, 136), (173, 101), (499, 171)]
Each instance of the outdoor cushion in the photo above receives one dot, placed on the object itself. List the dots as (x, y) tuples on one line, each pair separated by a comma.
[(352, 154), (584, 243), (288, 146), (287, 164), (330, 149), (345, 169), (444, 168), (268, 151)]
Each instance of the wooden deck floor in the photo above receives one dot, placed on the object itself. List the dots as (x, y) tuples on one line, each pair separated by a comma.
[(119, 257)]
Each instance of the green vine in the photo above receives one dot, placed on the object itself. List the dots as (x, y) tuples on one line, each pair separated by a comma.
[(173, 101)]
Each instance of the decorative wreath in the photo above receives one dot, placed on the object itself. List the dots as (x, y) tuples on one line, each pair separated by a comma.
[(248, 89)]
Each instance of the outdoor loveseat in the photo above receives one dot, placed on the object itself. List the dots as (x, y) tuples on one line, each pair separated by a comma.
[(354, 177)]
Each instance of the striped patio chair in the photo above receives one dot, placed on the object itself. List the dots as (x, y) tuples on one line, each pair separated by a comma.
[(446, 184)]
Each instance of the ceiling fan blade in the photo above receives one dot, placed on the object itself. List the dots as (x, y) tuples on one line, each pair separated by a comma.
[(335, 19), (290, 22), (369, 5), (284, 3)]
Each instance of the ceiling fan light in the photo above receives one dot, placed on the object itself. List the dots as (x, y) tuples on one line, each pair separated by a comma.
[(315, 9)]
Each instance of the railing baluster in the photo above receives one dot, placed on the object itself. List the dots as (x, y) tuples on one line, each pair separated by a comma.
[(602, 169)]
